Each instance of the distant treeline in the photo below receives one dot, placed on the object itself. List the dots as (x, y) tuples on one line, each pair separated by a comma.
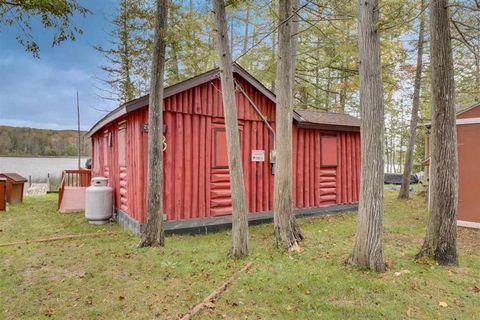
[(15, 141)]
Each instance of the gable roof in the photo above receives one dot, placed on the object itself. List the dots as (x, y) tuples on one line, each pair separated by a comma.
[(177, 88), (14, 176), (304, 118), (307, 118), (460, 110), (468, 108)]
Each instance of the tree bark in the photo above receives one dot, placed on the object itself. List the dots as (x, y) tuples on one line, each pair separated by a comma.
[(441, 235), (274, 53), (245, 34), (477, 74), (239, 215), (343, 89), (404, 189), (287, 231), (154, 234), (407, 169), (175, 71), (368, 251)]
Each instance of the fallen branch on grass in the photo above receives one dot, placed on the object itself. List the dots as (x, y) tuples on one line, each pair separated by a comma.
[(72, 236), (215, 294)]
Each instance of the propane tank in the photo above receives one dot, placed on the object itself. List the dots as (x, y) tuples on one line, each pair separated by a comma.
[(99, 201)]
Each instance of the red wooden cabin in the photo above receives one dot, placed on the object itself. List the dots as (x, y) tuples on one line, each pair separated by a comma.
[(326, 152)]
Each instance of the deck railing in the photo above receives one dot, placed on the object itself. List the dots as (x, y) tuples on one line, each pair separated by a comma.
[(73, 178)]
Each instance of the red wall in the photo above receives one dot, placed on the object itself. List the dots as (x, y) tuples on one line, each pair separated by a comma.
[(468, 172), (470, 113), (195, 177)]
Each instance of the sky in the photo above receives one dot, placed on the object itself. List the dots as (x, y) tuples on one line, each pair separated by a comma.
[(41, 93)]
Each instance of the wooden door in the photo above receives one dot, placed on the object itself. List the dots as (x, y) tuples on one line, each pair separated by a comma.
[(328, 169), (220, 193)]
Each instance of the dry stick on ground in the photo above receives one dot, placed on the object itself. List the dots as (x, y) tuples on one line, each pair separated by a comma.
[(72, 236), (215, 294)]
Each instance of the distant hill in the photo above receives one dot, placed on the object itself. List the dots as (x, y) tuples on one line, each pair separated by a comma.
[(17, 141)]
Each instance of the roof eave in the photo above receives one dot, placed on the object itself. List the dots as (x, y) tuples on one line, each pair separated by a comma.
[(326, 126), (177, 88)]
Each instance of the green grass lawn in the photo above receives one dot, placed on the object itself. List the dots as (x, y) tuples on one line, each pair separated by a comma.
[(109, 278)]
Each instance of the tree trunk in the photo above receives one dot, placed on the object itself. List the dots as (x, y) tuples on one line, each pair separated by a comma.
[(239, 215), (287, 231), (175, 71), (407, 169), (245, 35), (343, 94), (294, 39), (327, 91), (368, 250), (404, 189), (295, 26), (154, 234), (477, 74), (441, 236), (127, 86), (274, 53)]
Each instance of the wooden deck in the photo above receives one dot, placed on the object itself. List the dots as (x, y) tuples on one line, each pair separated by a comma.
[(71, 194)]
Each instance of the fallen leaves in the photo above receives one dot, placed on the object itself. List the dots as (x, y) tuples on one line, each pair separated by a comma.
[(390, 263), (458, 302), (475, 289), (410, 312), (399, 273), (414, 284), (443, 304)]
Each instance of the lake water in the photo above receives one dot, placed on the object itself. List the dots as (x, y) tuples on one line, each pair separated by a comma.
[(38, 168)]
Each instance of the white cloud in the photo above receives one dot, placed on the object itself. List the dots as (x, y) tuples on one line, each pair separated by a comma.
[(38, 93)]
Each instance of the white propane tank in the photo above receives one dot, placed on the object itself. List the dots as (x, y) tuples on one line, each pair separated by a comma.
[(99, 201)]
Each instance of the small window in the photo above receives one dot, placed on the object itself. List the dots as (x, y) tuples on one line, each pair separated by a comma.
[(329, 152), (122, 159), (96, 152), (220, 157), (106, 144)]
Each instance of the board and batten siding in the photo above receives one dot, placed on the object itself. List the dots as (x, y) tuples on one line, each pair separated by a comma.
[(196, 182)]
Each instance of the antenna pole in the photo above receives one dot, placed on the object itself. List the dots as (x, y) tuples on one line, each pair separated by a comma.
[(78, 129)]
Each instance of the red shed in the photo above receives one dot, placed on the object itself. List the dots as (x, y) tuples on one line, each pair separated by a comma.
[(326, 154), (3, 194), (468, 146), (15, 185)]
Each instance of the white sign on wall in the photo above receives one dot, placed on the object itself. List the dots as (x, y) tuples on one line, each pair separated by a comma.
[(258, 155)]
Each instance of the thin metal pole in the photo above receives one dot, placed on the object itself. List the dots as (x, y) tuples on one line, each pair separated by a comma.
[(78, 129)]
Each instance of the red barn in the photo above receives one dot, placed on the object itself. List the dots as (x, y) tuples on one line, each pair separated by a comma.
[(326, 154)]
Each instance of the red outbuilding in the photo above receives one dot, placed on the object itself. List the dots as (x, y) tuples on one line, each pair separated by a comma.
[(15, 185), (326, 154), (468, 147)]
